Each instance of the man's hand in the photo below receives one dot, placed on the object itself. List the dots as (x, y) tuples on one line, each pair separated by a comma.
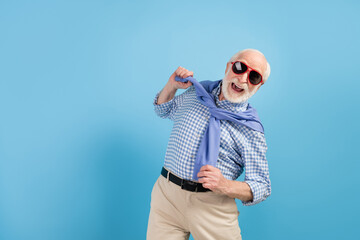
[(169, 91), (183, 73), (212, 178)]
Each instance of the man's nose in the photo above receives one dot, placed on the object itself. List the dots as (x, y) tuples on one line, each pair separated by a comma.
[(243, 78)]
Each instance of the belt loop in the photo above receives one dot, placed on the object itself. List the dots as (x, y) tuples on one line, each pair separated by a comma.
[(168, 173)]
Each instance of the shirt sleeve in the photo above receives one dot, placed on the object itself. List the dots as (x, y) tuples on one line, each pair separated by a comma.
[(256, 168), (168, 109)]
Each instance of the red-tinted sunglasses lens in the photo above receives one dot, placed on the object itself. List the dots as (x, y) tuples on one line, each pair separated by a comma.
[(240, 68)]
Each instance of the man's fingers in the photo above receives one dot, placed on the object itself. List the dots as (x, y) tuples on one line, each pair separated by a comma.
[(178, 71), (183, 72), (188, 74), (207, 168), (204, 180), (207, 185), (205, 174)]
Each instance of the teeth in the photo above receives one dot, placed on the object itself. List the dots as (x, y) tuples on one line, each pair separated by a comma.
[(237, 86)]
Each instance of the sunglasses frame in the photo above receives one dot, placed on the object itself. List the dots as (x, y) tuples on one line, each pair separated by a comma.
[(248, 69)]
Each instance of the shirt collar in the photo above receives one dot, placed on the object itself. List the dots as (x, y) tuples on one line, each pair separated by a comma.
[(225, 104)]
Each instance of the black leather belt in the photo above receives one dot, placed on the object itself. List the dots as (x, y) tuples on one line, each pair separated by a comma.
[(183, 183)]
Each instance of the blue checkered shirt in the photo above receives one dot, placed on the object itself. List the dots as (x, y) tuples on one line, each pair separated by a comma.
[(240, 147)]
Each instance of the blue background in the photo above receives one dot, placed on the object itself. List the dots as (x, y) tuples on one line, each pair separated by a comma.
[(81, 146)]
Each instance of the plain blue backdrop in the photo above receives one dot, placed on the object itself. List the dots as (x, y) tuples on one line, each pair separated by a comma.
[(81, 146)]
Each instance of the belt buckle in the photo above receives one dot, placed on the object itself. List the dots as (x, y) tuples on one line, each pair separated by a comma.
[(183, 184)]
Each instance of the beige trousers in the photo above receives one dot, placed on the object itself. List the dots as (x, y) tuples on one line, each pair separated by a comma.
[(175, 213)]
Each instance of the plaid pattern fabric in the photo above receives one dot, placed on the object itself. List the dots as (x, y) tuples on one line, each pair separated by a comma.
[(240, 147)]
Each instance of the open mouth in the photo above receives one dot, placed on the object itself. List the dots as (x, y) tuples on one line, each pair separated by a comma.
[(236, 88)]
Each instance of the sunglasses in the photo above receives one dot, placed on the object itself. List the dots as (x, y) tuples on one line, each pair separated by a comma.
[(240, 68)]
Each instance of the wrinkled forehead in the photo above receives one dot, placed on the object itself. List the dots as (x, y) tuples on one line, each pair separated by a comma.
[(254, 60)]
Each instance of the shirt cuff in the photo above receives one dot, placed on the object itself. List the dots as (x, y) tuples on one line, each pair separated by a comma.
[(163, 109), (256, 191)]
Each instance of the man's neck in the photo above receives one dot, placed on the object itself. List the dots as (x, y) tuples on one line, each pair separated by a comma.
[(221, 96)]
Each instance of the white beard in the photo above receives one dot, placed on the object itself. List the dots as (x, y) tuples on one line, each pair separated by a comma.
[(234, 97)]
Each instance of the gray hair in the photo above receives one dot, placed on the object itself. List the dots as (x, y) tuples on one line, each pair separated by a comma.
[(267, 71)]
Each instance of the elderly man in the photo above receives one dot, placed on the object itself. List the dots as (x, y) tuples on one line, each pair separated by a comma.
[(216, 135)]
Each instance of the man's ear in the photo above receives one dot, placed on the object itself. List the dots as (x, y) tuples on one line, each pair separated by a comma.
[(227, 67)]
